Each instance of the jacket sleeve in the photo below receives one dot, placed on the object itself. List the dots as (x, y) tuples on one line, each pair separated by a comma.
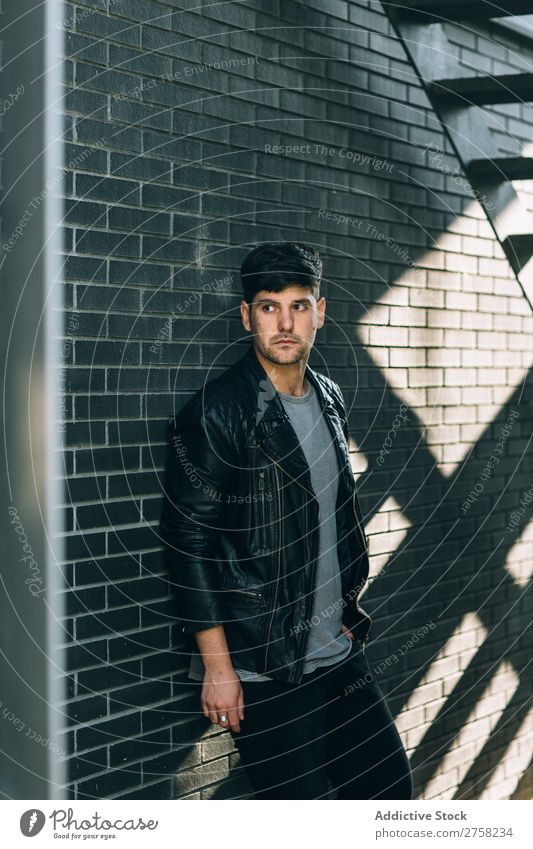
[(201, 462)]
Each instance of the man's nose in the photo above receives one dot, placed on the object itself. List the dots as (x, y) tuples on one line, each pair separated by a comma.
[(285, 320)]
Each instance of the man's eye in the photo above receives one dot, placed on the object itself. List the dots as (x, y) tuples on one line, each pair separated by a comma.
[(267, 307), (301, 306)]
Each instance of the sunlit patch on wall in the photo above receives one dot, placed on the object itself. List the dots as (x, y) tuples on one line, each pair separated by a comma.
[(476, 731), (386, 532), (505, 778), (519, 561), (452, 337), (444, 671)]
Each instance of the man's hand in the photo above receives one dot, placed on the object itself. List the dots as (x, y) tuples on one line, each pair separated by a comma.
[(222, 694), (347, 632), (221, 691)]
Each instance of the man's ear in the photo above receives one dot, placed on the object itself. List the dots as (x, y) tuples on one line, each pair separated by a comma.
[(321, 308), (245, 315)]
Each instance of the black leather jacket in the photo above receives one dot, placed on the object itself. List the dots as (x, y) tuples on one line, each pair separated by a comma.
[(240, 520)]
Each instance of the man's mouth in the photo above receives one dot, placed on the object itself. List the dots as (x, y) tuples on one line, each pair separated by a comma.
[(286, 342)]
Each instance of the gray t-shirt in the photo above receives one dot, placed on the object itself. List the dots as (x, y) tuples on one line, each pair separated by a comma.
[(326, 643)]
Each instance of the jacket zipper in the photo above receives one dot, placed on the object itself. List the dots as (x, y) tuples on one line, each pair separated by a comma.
[(280, 539), (253, 593), (365, 547), (263, 511), (276, 464)]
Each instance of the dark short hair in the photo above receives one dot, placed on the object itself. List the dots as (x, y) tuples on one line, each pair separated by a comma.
[(274, 266)]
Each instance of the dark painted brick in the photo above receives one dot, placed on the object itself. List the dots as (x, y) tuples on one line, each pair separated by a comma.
[(107, 569), (138, 483), (136, 591), (84, 102), (100, 242), (106, 459), (128, 431), (170, 198), (201, 178), (155, 790), (138, 695), (170, 353), (84, 268), (143, 169), (90, 214), (108, 513), (83, 380), (171, 712), (108, 28), (126, 59), (126, 647), (107, 406), (136, 327), (87, 49), (91, 762), (108, 732), (110, 81), (82, 546), (153, 455), (86, 489), (173, 250), (171, 44), (139, 220), (107, 188), (109, 783), (142, 747), (79, 656), (108, 298), (144, 11), (159, 144), (162, 663), (127, 380), (131, 539), (147, 273), (106, 624), (141, 114), (84, 158), (100, 352), (82, 601), (108, 677), (109, 135), (156, 613), (85, 710), (151, 509)]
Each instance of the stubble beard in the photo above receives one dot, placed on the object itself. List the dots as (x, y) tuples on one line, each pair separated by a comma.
[(276, 354)]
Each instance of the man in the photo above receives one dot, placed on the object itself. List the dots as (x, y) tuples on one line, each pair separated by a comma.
[(269, 554)]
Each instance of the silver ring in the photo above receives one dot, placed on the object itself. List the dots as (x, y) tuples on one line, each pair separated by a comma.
[(223, 718)]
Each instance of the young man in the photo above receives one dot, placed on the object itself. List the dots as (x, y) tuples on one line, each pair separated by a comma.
[(269, 555)]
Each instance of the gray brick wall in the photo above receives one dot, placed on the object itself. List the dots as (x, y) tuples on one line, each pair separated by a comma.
[(192, 134)]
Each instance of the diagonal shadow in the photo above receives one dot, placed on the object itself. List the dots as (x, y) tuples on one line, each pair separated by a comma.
[(489, 593)]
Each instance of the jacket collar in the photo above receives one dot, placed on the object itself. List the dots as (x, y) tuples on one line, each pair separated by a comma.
[(274, 433)]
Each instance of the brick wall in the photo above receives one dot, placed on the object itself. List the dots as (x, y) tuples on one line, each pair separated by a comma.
[(180, 123)]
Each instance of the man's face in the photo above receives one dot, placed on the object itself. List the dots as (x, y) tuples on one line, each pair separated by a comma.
[(284, 324)]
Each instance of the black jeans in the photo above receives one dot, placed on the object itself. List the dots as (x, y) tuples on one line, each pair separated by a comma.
[(335, 724)]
